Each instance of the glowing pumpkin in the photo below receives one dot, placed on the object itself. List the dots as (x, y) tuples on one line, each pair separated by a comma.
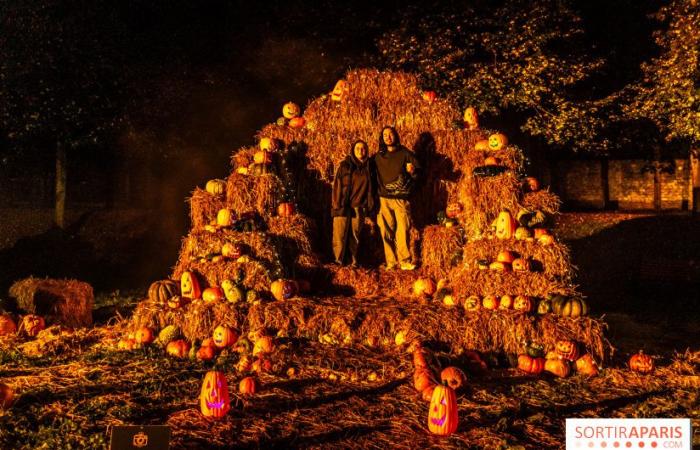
[(521, 265), (567, 350), (531, 365), (490, 302), (225, 217), (506, 256), (290, 110), (339, 91), (523, 303), (144, 335), (442, 415), (505, 225), (224, 336), (7, 325), (177, 348), (216, 187), (472, 303), (497, 141), (424, 287), (33, 324), (214, 399), (558, 367), (213, 294), (471, 119), (641, 363), (285, 209), (247, 386), (506, 302), (429, 96), (283, 289), (189, 286)]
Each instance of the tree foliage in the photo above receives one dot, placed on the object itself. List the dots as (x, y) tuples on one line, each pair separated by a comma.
[(668, 93), (524, 56)]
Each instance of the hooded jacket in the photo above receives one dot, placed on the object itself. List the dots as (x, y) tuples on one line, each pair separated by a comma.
[(352, 187), (393, 181)]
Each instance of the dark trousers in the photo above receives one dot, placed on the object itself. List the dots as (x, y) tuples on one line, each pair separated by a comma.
[(346, 235)]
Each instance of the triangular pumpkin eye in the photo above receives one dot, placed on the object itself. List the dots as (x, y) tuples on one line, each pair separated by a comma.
[(443, 402)]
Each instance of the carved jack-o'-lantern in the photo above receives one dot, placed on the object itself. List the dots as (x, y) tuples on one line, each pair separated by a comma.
[(454, 209), (214, 400), (7, 325), (641, 363), (505, 225), (224, 336), (523, 303), (472, 303), (189, 286), (33, 324), (497, 141), (290, 110), (442, 415), (471, 119), (567, 349), (339, 91)]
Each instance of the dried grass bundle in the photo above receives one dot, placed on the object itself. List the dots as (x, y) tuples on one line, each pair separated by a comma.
[(199, 244), (65, 302), (484, 198), (441, 249), (246, 193), (256, 274), (295, 234), (204, 207), (467, 281), (541, 200)]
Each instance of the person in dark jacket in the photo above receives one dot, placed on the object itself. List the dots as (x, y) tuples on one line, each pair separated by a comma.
[(352, 200), (396, 170)]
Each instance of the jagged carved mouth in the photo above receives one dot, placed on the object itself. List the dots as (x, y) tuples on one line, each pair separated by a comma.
[(439, 422), (215, 405)]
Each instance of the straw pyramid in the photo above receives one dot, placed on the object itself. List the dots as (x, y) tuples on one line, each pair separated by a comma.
[(347, 306)]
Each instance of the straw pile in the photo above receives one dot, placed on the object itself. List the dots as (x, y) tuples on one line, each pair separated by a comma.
[(65, 302), (246, 193), (256, 274), (442, 249), (467, 281), (203, 208)]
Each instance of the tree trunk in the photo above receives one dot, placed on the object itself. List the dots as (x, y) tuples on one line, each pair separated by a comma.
[(695, 180), (657, 179), (60, 217), (605, 182)]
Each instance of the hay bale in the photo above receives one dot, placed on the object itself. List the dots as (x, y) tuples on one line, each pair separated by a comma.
[(467, 281), (295, 235), (541, 200), (484, 198), (247, 193), (441, 249), (204, 207), (258, 245), (65, 302), (255, 274), (553, 260)]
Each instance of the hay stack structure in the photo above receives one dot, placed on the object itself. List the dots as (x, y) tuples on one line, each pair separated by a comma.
[(365, 306)]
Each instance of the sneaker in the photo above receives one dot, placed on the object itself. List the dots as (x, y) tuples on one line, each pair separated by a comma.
[(408, 266), (387, 267)]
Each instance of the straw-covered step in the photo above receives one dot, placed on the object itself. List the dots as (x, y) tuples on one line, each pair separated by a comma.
[(65, 302), (468, 281)]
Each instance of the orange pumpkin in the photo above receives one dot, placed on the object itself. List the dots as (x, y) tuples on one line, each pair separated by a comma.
[(214, 399), (454, 209), (567, 350), (189, 286), (497, 141), (531, 365), (506, 302), (339, 91), (213, 294), (177, 348), (33, 324), (532, 184), (225, 217), (500, 266), (523, 303), (424, 287), (7, 396), (546, 239), (539, 232), (267, 144), (247, 386), (490, 302), (261, 365), (453, 376), (297, 122), (160, 291), (263, 345), (442, 415), (506, 256), (262, 157), (641, 363), (505, 225), (482, 145), (144, 335), (422, 378), (224, 336), (206, 353), (521, 265), (558, 367), (285, 209), (283, 289), (471, 118), (492, 161), (215, 187), (585, 365), (429, 96), (7, 325)]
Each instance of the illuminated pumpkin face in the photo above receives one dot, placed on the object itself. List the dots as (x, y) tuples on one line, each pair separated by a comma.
[(641, 363), (482, 145), (523, 303), (471, 119), (225, 217), (189, 286), (454, 210), (472, 303), (442, 415), (505, 225), (521, 264), (7, 325), (567, 350), (290, 110), (341, 87), (224, 337), (33, 324), (214, 399), (497, 141)]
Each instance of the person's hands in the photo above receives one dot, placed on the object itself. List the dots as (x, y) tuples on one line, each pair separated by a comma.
[(410, 168)]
